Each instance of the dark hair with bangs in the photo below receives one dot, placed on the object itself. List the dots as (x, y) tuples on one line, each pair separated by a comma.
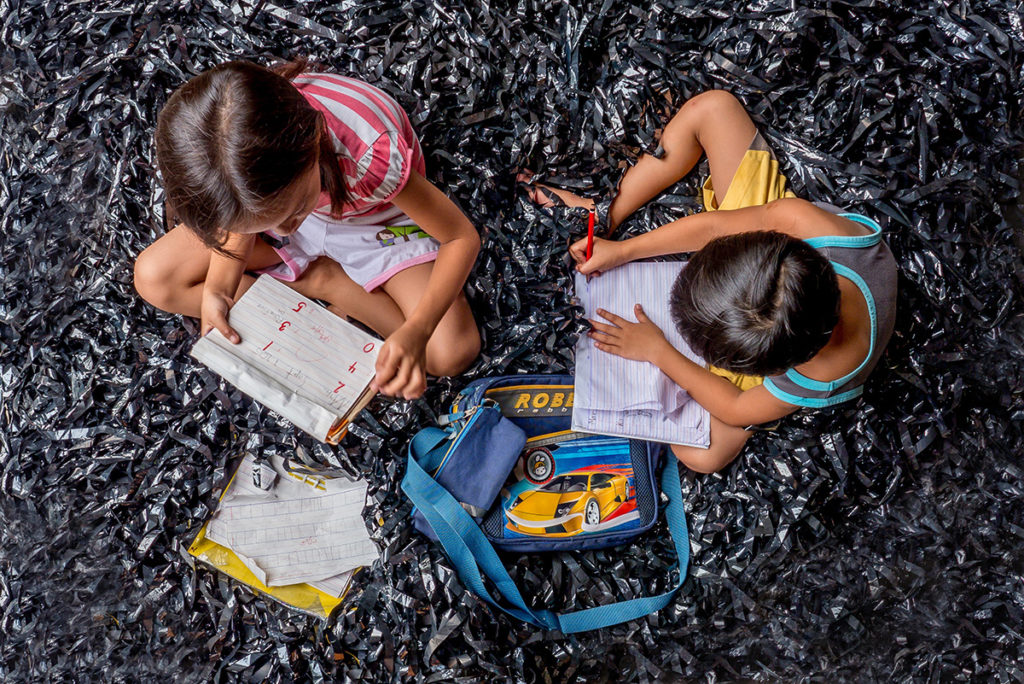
[(230, 140), (756, 303)]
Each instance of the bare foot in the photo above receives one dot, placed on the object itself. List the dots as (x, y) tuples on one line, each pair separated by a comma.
[(538, 194)]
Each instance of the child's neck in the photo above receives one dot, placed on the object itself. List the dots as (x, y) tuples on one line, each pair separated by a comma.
[(841, 354), (827, 357)]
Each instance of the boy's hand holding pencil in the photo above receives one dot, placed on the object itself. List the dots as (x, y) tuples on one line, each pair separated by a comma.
[(602, 255)]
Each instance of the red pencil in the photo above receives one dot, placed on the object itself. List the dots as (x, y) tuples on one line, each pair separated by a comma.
[(590, 235)]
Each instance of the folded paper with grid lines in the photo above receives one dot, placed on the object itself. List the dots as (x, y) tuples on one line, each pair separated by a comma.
[(626, 398), (296, 537), (305, 528), (296, 358)]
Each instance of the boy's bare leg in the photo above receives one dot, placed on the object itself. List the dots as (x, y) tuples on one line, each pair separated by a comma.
[(726, 442), (713, 123)]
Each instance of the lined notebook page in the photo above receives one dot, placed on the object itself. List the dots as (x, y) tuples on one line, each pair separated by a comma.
[(295, 357), (617, 396), (304, 529)]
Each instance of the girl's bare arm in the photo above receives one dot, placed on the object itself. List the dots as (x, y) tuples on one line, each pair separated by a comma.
[(440, 218), (401, 366), (222, 278)]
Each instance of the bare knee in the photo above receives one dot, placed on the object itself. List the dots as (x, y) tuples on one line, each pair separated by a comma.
[(325, 279), (451, 357), (704, 460), (709, 108), (711, 103), (153, 281)]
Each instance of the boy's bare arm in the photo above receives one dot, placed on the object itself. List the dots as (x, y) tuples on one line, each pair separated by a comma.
[(691, 233), (687, 234), (721, 398), (791, 216), (644, 341)]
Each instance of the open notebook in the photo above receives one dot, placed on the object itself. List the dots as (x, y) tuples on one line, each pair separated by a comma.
[(617, 396), (296, 358)]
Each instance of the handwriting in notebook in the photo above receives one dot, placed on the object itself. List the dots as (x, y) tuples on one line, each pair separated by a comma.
[(298, 342), (300, 352), (619, 396)]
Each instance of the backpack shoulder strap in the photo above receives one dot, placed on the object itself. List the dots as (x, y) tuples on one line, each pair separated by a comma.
[(474, 556)]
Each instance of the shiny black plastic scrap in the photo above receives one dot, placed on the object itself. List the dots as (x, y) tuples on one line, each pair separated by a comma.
[(880, 540)]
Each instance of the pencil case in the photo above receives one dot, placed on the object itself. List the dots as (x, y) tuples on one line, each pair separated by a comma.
[(470, 457)]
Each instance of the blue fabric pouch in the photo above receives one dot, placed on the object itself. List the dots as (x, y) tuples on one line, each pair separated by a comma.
[(471, 459)]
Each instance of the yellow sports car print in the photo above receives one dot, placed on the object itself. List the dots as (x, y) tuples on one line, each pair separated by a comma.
[(580, 501)]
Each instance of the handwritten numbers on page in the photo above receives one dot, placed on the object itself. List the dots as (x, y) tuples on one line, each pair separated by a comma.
[(298, 350), (309, 528)]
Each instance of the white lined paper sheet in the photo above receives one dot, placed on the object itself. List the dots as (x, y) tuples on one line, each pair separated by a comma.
[(304, 529), (296, 357), (617, 396)]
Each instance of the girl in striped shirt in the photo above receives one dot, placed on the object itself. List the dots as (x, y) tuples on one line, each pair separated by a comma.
[(317, 179)]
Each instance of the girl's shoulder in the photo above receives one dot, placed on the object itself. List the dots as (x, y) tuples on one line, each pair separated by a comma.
[(336, 83), (308, 76), (348, 102)]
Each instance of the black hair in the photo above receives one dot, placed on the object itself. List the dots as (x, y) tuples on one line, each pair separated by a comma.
[(232, 139), (756, 303)]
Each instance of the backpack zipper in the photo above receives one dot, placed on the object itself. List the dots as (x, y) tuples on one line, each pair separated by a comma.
[(470, 416)]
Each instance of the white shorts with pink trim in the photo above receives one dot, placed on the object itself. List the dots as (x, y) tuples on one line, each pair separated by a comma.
[(371, 249)]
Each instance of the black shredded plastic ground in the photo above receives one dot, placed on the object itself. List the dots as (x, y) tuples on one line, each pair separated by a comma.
[(877, 542)]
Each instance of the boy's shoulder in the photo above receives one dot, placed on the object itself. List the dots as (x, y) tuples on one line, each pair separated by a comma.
[(805, 220)]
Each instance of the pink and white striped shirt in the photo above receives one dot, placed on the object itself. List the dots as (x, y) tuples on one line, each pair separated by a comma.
[(376, 146)]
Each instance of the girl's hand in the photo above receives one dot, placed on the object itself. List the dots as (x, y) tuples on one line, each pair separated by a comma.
[(213, 313), (606, 255), (640, 341), (402, 363)]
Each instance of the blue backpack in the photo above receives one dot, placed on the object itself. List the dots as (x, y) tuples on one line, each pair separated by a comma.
[(505, 471)]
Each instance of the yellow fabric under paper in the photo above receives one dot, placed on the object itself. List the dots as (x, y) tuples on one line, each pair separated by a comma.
[(757, 181), (301, 596), (744, 382)]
